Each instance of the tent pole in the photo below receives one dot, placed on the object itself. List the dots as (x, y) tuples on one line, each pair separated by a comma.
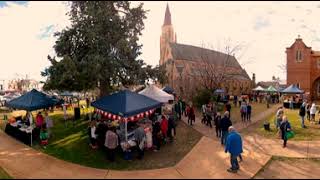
[(126, 130), (31, 127)]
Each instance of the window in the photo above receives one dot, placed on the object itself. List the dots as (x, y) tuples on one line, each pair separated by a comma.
[(298, 56), (318, 63)]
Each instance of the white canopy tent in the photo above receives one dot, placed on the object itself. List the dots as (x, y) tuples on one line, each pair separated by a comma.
[(157, 94), (259, 88)]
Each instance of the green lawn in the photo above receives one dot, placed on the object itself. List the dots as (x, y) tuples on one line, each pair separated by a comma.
[(312, 132), (72, 144), (4, 175)]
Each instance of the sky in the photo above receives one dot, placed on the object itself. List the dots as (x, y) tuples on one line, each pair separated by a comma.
[(263, 29)]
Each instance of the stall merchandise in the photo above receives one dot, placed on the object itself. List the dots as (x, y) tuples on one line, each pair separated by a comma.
[(21, 132), (30, 101), (126, 106)]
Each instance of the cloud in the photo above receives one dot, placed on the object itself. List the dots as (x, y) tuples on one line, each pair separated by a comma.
[(46, 32), (261, 22), (4, 3), (26, 36)]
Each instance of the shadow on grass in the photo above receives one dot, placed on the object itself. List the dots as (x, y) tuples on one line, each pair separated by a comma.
[(71, 144)]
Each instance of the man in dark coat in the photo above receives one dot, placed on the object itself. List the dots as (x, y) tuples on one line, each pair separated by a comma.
[(225, 124)]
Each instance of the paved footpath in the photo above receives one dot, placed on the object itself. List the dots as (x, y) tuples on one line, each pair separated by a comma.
[(206, 160)]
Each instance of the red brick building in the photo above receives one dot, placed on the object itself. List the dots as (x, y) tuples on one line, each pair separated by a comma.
[(303, 68)]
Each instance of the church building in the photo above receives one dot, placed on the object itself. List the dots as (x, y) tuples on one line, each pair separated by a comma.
[(303, 68), (190, 68)]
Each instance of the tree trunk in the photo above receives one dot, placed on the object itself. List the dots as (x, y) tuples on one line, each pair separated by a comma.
[(104, 89)]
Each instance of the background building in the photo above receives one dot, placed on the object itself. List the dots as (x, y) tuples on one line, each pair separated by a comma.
[(303, 68), (190, 68)]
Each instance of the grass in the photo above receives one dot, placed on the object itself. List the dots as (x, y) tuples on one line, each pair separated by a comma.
[(71, 144), (4, 175), (267, 172), (312, 132)]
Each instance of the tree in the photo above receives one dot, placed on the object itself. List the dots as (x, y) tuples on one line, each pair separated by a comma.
[(100, 49), (215, 75)]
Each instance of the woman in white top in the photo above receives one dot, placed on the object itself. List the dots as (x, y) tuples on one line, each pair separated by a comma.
[(313, 110), (49, 124), (93, 135)]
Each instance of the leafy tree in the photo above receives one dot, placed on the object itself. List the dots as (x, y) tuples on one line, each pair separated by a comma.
[(99, 49)]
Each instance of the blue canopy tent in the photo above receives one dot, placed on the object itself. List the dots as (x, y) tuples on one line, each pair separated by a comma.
[(292, 89), (31, 101), (219, 91), (168, 90), (66, 93), (125, 104)]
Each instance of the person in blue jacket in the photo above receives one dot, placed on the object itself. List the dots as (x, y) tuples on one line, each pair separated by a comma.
[(234, 147)]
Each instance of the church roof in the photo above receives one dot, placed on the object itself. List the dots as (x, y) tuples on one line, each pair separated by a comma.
[(193, 53), (167, 16), (315, 53)]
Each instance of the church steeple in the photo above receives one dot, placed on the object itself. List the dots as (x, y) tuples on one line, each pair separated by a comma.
[(167, 36), (167, 16)]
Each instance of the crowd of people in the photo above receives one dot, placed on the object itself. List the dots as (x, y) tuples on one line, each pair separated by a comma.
[(148, 134)]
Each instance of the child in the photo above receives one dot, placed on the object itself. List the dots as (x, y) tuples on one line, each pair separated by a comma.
[(43, 137)]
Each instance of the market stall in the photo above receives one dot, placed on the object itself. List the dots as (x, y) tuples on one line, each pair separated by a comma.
[(168, 90), (30, 101), (157, 94), (293, 91), (258, 89), (125, 108)]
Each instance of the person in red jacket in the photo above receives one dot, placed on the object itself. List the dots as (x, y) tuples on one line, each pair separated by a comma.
[(164, 126)]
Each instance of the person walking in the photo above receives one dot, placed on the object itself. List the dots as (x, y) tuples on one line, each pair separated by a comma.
[(285, 127), (171, 126), (204, 112), (157, 135), (140, 139), (111, 143), (228, 108), (313, 110), (249, 109), (243, 111), (217, 123), (225, 124), (93, 134), (191, 115), (164, 127), (234, 147), (209, 115), (308, 111), (302, 113), (235, 100), (49, 124)]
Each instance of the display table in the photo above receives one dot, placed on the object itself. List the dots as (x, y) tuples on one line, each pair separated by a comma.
[(20, 133)]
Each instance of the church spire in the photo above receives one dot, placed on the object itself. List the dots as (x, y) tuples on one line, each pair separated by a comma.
[(167, 17)]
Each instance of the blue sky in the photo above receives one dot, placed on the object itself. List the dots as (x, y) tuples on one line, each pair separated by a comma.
[(4, 3), (263, 28)]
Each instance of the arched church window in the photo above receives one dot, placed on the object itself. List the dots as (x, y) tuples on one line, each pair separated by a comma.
[(298, 55)]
